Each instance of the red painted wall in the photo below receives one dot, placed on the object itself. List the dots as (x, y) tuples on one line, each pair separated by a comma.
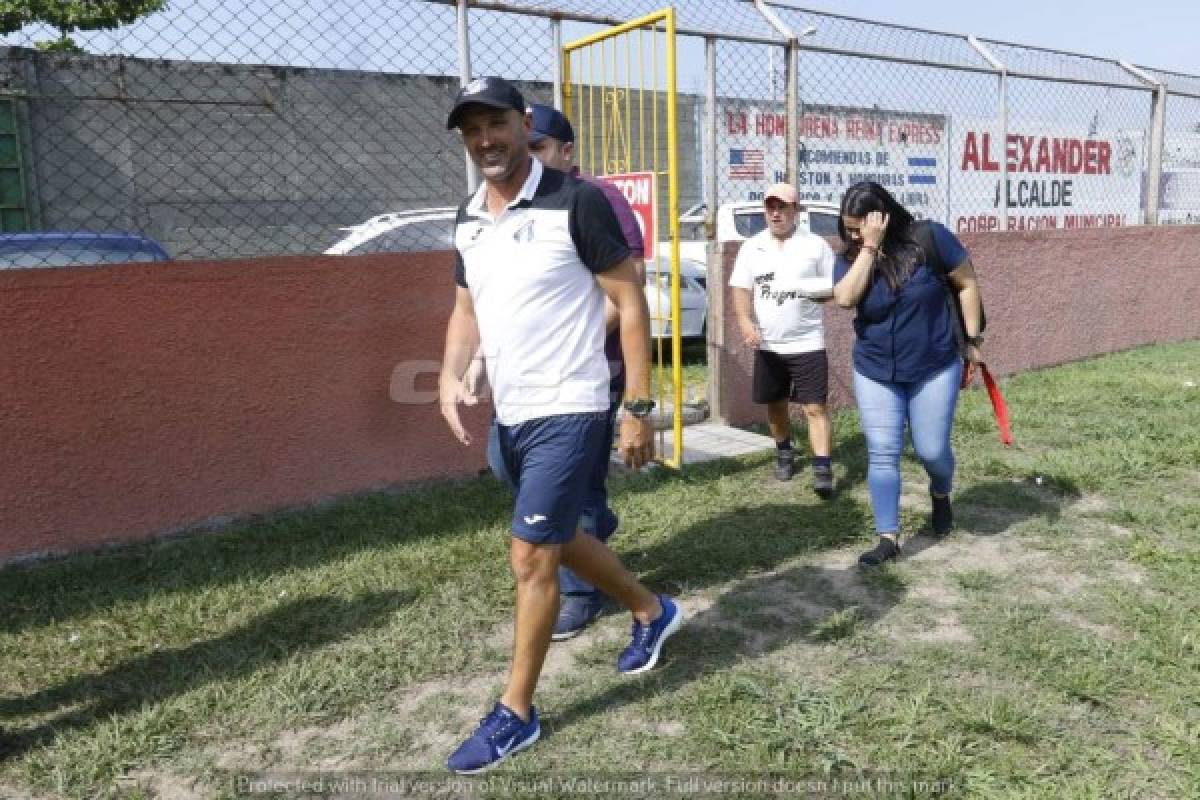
[(1050, 296), (145, 398)]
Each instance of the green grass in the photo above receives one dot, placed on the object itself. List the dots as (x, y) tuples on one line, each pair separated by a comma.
[(1048, 648), (694, 366)]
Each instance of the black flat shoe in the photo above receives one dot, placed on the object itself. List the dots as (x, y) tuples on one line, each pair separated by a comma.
[(885, 550)]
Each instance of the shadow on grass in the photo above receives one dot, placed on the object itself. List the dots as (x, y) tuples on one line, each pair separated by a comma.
[(760, 615), (756, 537), (148, 680), (995, 507)]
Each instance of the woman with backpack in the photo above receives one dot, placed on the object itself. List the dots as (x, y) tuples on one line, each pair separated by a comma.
[(910, 355)]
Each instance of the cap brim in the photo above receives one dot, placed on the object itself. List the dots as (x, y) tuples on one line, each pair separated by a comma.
[(457, 111)]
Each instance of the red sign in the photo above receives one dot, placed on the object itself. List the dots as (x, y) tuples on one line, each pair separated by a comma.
[(638, 188)]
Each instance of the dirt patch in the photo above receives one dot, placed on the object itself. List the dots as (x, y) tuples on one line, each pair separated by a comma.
[(1091, 504), (1128, 573), (12, 793), (162, 786), (1078, 621), (947, 630)]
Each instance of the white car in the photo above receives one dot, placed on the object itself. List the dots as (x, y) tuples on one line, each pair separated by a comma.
[(398, 232), (693, 298), (433, 229), (737, 222)]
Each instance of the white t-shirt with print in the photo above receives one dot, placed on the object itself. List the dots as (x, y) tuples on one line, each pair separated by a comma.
[(782, 277)]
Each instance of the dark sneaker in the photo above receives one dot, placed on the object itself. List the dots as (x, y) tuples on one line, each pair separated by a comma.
[(576, 612), (884, 550), (943, 515), (500, 734), (642, 653), (785, 464), (822, 481)]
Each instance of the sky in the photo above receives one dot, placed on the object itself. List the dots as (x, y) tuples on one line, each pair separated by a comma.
[(1154, 33)]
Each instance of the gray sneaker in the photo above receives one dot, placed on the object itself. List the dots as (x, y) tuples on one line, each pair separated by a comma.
[(576, 612), (822, 481), (785, 464)]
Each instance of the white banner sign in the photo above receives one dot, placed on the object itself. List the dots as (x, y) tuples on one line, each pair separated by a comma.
[(1179, 188), (1054, 180), (838, 147)]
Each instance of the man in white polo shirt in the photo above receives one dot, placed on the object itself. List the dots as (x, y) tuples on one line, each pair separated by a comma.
[(537, 252), (781, 275)]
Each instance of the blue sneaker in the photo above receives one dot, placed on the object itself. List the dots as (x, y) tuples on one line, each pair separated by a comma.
[(500, 734), (576, 612), (642, 653)]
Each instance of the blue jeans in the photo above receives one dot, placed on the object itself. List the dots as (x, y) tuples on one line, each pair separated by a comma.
[(927, 406), (596, 518)]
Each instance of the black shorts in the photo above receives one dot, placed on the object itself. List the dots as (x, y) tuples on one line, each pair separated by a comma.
[(799, 377)]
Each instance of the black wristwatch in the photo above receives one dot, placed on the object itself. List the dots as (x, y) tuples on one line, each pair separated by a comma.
[(638, 408), (975, 341)]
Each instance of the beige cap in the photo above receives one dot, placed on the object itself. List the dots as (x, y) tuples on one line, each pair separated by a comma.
[(782, 191)]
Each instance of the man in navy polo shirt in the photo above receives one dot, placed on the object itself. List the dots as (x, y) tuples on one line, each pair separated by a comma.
[(537, 253)]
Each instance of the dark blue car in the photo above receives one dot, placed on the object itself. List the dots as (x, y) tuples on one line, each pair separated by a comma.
[(25, 250)]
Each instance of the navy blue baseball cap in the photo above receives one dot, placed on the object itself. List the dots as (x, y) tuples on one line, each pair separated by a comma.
[(494, 92), (549, 121)]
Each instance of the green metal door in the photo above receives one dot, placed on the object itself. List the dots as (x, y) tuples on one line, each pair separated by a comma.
[(14, 216)]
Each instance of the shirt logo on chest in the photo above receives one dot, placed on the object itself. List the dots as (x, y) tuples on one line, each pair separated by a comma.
[(524, 233)]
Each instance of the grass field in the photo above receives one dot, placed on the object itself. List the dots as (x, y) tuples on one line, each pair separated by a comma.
[(1048, 648)]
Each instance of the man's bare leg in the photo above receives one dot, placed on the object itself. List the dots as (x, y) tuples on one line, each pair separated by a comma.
[(535, 569)]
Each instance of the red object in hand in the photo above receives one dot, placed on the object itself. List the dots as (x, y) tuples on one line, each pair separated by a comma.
[(999, 407)]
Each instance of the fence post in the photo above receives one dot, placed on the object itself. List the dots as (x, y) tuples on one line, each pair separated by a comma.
[(1002, 102), (464, 77), (1158, 124), (556, 38), (791, 61), (715, 284)]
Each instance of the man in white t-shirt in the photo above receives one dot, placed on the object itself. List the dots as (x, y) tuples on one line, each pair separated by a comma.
[(780, 277)]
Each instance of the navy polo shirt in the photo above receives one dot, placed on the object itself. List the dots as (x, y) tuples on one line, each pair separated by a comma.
[(906, 335)]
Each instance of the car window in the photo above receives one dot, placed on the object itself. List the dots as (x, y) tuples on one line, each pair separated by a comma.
[(434, 234), (822, 223), (749, 223), (66, 254)]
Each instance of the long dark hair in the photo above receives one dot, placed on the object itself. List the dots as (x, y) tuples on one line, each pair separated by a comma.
[(900, 253)]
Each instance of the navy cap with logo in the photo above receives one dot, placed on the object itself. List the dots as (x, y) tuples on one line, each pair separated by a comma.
[(549, 121), (494, 92)]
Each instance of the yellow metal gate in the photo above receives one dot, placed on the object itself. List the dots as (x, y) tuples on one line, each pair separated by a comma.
[(619, 93)]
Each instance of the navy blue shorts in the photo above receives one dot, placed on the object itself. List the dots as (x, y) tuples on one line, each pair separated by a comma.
[(552, 463)]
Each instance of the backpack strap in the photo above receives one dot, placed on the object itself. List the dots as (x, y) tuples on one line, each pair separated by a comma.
[(922, 233)]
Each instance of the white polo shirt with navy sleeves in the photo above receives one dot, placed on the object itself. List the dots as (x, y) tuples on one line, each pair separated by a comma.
[(531, 274)]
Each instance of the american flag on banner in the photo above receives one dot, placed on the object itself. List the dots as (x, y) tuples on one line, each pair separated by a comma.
[(746, 164)]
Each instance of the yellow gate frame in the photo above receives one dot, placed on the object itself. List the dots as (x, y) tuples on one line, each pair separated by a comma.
[(616, 151)]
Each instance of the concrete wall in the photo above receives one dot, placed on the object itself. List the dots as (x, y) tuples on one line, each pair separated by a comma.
[(140, 399), (1050, 296), (225, 161)]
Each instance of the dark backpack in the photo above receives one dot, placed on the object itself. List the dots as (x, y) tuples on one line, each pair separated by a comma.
[(922, 234)]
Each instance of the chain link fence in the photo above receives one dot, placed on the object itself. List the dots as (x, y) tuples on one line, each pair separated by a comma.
[(1179, 190), (223, 130)]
